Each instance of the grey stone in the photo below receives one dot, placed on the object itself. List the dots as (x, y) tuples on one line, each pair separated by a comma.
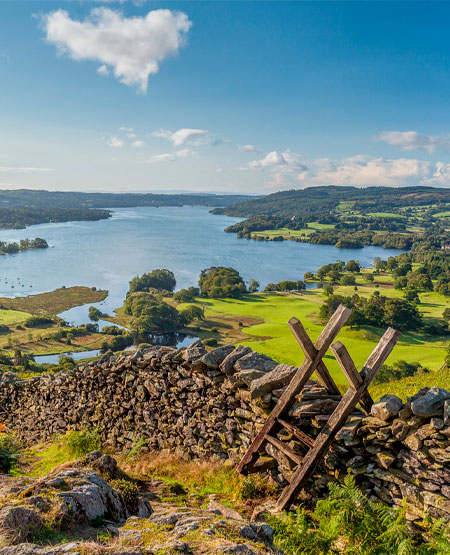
[(255, 361), (227, 366), (19, 522), (431, 403), (387, 407), (214, 358), (278, 377)]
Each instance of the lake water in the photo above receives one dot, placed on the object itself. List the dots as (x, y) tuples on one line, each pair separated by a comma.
[(108, 253)]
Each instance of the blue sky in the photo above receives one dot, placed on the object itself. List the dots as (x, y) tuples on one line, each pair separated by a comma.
[(223, 96)]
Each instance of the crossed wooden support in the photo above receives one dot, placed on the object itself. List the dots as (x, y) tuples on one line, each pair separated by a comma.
[(357, 393)]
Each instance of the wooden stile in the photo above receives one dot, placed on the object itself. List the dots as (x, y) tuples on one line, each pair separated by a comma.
[(357, 393)]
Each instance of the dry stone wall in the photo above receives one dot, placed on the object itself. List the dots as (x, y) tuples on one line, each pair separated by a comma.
[(197, 403)]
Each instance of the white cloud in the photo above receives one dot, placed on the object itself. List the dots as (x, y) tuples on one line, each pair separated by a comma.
[(363, 170), (137, 144), (182, 136), (126, 129), (282, 167), (132, 48), (248, 148), (412, 140), (115, 142), (440, 178), (15, 169), (172, 156)]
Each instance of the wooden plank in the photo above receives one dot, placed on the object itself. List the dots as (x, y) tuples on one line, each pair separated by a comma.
[(345, 407), (284, 449), (310, 351), (351, 373), (297, 383), (304, 438)]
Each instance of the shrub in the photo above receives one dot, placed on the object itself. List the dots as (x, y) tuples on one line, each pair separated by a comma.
[(211, 342), (129, 492), (10, 452), (36, 321), (80, 443), (156, 279)]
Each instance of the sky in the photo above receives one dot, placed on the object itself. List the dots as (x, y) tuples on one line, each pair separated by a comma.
[(248, 97)]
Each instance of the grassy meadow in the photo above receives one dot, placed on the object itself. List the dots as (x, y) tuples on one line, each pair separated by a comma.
[(38, 340), (259, 320)]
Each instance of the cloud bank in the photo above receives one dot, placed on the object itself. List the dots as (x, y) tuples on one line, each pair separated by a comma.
[(131, 48), (412, 140)]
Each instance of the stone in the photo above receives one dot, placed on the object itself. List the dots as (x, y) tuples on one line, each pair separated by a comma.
[(387, 407), (278, 377), (214, 358), (400, 429), (430, 403), (227, 366), (255, 361), (241, 548), (413, 441), (220, 509), (167, 519), (447, 412)]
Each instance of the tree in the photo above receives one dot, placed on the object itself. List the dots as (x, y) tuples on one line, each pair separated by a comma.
[(348, 280), (411, 296), (221, 282), (156, 318), (94, 314), (334, 276), (352, 266), (186, 295), (156, 279), (309, 276), (191, 313), (253, 286), (369, 277)]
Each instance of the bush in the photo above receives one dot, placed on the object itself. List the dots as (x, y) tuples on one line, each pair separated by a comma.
[(210, 342), (399, 370), (37, 321), (186, 295), (129, 492), (80, 443), (10, 452)]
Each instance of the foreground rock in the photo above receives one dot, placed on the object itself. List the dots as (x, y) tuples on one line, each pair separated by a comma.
[(66, 500)]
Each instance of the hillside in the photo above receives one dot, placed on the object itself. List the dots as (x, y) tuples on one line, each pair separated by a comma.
[(347, 217)]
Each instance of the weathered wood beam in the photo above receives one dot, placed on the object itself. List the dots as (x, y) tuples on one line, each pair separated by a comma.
[(345, 407), (284, 449), (351, 373), (297, 383), (304, 438), (303, 339)]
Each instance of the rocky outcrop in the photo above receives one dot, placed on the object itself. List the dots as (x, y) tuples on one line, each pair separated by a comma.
[(197, 403), (67, 499)]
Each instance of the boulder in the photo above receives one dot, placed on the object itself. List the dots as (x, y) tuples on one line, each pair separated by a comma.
[(387, 407), (430, 403)]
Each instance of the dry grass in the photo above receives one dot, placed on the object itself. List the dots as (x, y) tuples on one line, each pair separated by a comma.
[(56, 301)]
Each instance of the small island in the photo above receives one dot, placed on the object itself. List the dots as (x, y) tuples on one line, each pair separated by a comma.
[(22, 245)]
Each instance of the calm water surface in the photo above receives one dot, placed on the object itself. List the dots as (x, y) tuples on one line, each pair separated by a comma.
[(108, 253)]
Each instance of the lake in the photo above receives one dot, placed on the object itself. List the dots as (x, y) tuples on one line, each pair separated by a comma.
[(108, 253)]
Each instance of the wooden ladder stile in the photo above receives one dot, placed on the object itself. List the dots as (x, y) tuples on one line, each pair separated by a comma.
[(356, 393)]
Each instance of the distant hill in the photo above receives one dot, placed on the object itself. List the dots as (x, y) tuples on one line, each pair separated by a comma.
[(313, 200), (23, 207)]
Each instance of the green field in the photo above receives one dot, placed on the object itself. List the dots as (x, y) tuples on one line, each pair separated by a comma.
[(385, 215), (288, 233), (9, 317), (273, 336)]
